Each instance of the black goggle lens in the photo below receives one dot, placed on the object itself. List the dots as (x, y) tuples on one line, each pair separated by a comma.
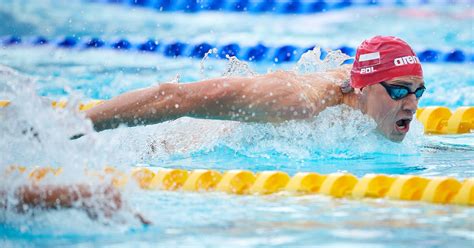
[(398, 92), (419, 92)]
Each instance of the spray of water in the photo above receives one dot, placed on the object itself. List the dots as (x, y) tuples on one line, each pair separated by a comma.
[(34, 134), (202, 64), (311, 62), (337, 132), (235, 67)]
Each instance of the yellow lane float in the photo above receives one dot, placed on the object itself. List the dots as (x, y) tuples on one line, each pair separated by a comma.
[(439, 190), (143, 176), (305, 183), (202, 180), (465, 194), (39, 173), (338, 184), (268, 182), (373, 185), (236, 182), (168, 179), (408, 188), (4, 103), (440, 120), (62, 104)]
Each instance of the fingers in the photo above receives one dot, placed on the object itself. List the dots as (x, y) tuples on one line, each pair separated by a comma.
[(142, 219), (76, 136)]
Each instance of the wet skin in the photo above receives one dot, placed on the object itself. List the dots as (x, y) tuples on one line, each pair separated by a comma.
[(97, 200), (274, 97), (393, 117)]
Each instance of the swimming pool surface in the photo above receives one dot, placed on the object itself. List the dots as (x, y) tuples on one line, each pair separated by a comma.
[(215, 219)]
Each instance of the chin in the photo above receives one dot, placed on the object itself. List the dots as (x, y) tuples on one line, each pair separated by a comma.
[(396, 137)]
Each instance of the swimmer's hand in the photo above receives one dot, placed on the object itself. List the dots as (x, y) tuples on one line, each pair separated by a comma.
[(142, 219), (76, 136), (31, 132)]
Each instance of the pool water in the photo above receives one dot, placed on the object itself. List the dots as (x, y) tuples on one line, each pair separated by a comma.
[(324, 145)]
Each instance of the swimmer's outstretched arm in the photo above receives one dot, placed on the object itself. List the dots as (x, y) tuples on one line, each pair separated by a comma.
[(105, 198), (273, 97)]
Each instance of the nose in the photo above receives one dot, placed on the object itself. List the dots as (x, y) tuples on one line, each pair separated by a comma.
[(410, 104)]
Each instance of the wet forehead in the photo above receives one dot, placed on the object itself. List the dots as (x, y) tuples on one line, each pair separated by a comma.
[(409, 81)]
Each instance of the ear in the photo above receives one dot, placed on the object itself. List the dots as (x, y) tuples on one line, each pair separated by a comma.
[(346, 87), (359, 90), (366, 89), (362, 99)]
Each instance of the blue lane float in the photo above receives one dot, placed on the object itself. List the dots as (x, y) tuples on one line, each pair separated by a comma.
[(174, 49), (272, 6), (149, 46), (40, 41), (95, 42), (256, 53), (200, 50), (122, 45), (12, 40), (68, 42)]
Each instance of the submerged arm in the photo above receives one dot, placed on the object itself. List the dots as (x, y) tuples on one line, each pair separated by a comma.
[(105, 198), (66, 196)]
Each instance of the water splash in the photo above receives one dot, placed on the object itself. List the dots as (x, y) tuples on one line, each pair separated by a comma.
[(311, 62), (32, 131), (202, 63), (35, 134), (184, 137), (176, 78), (235, 67), (337, 132)]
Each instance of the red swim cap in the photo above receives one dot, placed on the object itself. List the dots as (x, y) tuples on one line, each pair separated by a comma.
[(382, 58)]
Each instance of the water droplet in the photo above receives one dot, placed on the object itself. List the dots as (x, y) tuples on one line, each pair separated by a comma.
[(235, 67)]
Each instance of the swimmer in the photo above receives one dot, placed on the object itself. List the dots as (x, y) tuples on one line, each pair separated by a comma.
[(385, 82)]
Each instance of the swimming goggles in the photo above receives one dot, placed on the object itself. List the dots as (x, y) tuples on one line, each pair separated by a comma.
[(397, 92)]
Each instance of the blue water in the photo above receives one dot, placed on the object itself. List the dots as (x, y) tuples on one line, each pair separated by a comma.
[(213, 219)]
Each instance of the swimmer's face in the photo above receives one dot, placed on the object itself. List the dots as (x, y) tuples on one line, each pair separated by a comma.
[(393, 117)]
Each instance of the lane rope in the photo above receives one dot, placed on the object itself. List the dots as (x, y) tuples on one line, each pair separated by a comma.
[(272, 6), (438, 190), (174, 49)]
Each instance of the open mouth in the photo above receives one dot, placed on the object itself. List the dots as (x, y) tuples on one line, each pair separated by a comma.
[(403, 125)]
